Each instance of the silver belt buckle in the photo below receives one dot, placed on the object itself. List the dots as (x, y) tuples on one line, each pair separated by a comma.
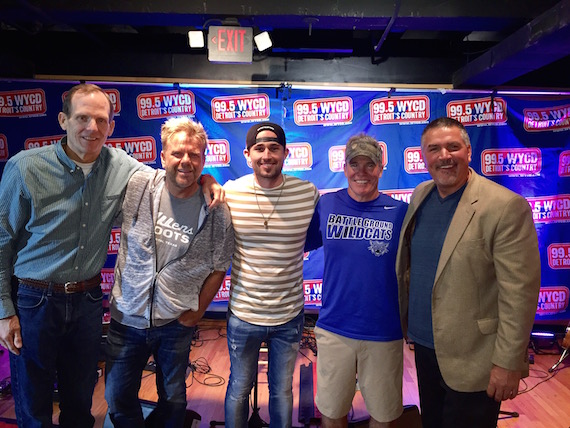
[(69, 287)]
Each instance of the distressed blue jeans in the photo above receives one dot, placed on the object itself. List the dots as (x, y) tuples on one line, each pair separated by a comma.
[(128, 350), (244, 342), (60, 333)]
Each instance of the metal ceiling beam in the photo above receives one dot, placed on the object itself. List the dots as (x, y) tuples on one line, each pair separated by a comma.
[(340, 14), (348, 8), (539, 43)]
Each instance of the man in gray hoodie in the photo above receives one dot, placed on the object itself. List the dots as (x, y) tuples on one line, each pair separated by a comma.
[(173, 256)]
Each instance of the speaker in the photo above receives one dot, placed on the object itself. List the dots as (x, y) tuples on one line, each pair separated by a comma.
[(191, 420)]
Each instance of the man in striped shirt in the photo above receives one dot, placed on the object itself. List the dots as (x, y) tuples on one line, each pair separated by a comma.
[(270, 213)]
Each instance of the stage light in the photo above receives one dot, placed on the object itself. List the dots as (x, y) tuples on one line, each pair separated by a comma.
[(263, 41), (196, 39)]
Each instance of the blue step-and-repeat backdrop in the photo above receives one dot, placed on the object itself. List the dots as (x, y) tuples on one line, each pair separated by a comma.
[(519, 139)]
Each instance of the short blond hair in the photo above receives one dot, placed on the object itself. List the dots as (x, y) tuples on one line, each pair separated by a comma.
[(183, 124)]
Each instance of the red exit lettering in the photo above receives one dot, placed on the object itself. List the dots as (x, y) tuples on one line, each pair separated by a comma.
[(230, 44), (229, 40)]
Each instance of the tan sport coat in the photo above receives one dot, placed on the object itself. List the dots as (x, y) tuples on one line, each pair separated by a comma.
[(486, 285)]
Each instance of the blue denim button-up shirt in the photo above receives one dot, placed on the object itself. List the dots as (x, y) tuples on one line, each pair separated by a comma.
[(54, 221)]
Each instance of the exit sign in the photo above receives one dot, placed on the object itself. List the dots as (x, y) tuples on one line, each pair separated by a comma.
[(230, 44)]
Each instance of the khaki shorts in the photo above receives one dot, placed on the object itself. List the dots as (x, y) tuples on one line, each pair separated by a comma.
[(378, 366)]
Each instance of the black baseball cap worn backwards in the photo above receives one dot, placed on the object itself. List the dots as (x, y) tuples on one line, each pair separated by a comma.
[(251, 138)]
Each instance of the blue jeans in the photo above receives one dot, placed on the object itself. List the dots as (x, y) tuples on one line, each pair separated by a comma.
[(128, 350), (244, 341), (61, 333)]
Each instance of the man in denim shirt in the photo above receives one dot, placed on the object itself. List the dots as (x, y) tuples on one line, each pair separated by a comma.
[(57, 207)]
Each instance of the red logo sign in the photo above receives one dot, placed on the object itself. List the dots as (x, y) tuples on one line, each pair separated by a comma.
[(223, 294), (115, 99), (156, 105), (217, 153), (114, 241), (3, 148), (240, 108), (300, 157), (323, 111), (564, 164), (402, 110), (107, 279), (414, 161), (480, 111), (552, 300), (550, 209), (547, 119), (511, 162), (559, 256), (27, 102), (313, 291), (142, 149)]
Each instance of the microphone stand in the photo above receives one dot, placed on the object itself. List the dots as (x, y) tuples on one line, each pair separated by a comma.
[(255, 420), (565, 346), (555, 366)]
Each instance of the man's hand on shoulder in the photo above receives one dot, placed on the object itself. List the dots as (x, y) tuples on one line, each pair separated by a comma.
[(503, 384), (213, 192), (10, 334)]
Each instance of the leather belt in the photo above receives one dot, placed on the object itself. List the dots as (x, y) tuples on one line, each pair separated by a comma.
[(67, 288)]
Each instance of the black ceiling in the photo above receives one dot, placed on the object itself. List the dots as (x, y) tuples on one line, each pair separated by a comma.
[(464, 44)]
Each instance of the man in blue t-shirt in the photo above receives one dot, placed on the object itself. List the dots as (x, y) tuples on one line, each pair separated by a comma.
[(358, 331)]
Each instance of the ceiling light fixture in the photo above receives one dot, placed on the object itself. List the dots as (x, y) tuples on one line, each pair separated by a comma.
[(196, 39), (263, 41)]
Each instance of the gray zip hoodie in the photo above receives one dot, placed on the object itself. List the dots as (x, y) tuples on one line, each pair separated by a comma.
[(142, 296)]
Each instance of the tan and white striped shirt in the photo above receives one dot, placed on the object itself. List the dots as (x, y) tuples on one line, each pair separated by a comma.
[(267, 266)]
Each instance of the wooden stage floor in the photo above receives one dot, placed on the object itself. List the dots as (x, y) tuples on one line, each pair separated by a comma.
[(543, 402)]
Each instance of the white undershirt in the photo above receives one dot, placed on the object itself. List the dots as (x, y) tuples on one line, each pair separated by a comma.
[(86, 167)]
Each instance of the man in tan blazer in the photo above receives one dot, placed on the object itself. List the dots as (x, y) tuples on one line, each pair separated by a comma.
[(468, 270)]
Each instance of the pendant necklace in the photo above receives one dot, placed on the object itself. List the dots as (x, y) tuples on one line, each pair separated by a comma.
[(266, 220)]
